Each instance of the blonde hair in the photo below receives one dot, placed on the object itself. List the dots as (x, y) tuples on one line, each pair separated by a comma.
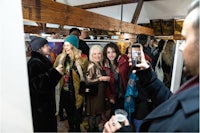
[(75, 55), (99, 49), (168, 51)]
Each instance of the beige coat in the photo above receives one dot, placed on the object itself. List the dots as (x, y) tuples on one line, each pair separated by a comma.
[(95, 104), (76, 78)]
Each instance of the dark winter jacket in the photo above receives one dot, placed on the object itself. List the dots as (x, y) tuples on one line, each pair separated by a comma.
[(42, 81), (84, 47), (180, 112)]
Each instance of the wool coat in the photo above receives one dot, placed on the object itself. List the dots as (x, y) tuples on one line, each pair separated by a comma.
[(76, 78), (180, 113), (174, 113), (42, 81)]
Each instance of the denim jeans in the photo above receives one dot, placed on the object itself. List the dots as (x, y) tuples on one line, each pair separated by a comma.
[(137, 123)]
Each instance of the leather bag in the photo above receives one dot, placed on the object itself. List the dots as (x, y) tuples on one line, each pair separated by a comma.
[(90, 89)]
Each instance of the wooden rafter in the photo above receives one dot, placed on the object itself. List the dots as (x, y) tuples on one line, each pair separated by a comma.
[(39, 29), (137, 11), (46, 11), (107, 3)]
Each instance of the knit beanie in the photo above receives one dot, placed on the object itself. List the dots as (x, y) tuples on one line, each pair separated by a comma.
[(37, 42), (73, 40)]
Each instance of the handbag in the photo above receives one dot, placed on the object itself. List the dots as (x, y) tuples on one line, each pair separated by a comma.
[(89, 89)]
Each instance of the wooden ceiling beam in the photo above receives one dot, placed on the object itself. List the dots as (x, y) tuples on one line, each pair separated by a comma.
[(107, 3), (137, 11), (46, 11), (44, 27), (61, 27), (39, 24), (39, 29), (178, 37)]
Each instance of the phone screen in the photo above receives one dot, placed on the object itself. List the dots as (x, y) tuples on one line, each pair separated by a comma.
[(135, 54)]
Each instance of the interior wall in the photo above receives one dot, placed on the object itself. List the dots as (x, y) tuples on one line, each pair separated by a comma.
[(15, 101)]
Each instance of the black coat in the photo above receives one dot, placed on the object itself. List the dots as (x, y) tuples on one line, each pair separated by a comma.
[(177, 113), (84, 47), (143, 105), (42, 81), (180, 113)]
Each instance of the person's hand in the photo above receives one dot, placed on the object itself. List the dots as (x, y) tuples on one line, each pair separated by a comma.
[(142, 65), (112, 101), (128, 99), (112, 125), (59, 68), (104, 78)]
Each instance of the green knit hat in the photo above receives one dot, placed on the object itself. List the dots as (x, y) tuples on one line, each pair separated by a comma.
[(73, 40)]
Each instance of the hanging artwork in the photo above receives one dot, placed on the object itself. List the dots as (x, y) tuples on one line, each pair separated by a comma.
[(56, 49)]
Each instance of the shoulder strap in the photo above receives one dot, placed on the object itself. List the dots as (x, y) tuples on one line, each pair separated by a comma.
[(159, 61), (80, 71), (164, 45)]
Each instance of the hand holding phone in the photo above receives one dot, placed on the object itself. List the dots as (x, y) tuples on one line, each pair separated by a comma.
[(136, 57)]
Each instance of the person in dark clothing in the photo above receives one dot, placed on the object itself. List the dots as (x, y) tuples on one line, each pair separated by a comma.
[(42, 81), (82, 44), (158, 50), (145, 40), (143, 106), (178, 112)]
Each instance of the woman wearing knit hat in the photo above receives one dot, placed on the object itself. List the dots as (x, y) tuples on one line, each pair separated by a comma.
[(75, 66), (42, 81)]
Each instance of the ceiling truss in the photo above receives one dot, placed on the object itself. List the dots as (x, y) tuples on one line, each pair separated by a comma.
[(109, 3)]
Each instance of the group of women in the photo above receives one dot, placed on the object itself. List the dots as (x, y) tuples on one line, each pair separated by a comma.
[(106, 66)]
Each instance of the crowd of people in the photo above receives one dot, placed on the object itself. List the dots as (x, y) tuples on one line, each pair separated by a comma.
[(177, 112), (150, 104)]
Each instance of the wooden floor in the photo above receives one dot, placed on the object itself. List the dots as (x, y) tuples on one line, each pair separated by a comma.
[(63, 126)]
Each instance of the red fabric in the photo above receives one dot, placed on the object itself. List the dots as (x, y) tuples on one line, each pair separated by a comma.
[(147, 58), (83, 55), (192, 82)]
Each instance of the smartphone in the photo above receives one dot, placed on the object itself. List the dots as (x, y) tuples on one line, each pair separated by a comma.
[(135, 54)]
